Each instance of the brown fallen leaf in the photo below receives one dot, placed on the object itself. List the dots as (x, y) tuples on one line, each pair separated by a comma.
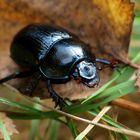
[(117, 19), (10, 127), (104, 24), (108, 22)]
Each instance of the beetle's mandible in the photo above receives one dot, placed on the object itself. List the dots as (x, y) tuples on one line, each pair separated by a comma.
[(54, 55)]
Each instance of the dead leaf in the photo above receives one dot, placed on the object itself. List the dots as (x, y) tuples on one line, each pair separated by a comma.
[(10, 127), (117, 18), (104, 24)]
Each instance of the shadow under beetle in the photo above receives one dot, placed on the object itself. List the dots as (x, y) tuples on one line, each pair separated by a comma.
[(54, 55)]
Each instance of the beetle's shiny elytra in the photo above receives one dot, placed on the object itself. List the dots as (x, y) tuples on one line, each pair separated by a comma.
[(52, 54)]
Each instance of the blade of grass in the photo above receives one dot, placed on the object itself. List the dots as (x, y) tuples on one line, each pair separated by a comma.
[(90, 127), (136, 58), (23, 116), (34, 129), (4, 131), (73, 128), (18, 105), (110, 121), (44, 137), (54, 130), (124, 137), (30, 116), (35, 124), (128, 72), (106, 118), (120, 93), (127, 87), (133, 51), (30, 109)]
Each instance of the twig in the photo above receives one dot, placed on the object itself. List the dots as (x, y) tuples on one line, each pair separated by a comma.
[(135, 66), (129, 63), (126, 104)]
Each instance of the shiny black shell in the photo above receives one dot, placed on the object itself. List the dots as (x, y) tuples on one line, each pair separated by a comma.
[(53, 50)]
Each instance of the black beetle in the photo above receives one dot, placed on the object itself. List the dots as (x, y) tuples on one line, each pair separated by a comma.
[(54, 55)]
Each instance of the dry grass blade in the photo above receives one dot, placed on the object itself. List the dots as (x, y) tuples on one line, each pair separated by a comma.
[(96, 119)]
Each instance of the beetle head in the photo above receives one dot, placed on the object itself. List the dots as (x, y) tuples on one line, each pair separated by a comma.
[(86, 73)]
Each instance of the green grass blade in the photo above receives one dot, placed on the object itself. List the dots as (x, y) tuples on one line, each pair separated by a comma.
[(34, 129), (18, 105), (110, 121), (24, 116), (117, 94), (46, 130), (31, 116), (137, 58), (35, 124), (125, 87), (50, 114), (73, 128), (105, 118), (133, 51), (4, 131), (54, 130), (126, 73)]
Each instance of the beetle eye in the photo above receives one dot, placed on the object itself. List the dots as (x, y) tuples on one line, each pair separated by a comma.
[(87, 70)]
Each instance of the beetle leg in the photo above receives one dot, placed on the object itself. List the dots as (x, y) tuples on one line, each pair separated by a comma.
[(31, 86), (16, 75), (56, 98)]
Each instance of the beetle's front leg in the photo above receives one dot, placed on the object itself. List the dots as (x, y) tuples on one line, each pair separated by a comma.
[(56, 98)]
